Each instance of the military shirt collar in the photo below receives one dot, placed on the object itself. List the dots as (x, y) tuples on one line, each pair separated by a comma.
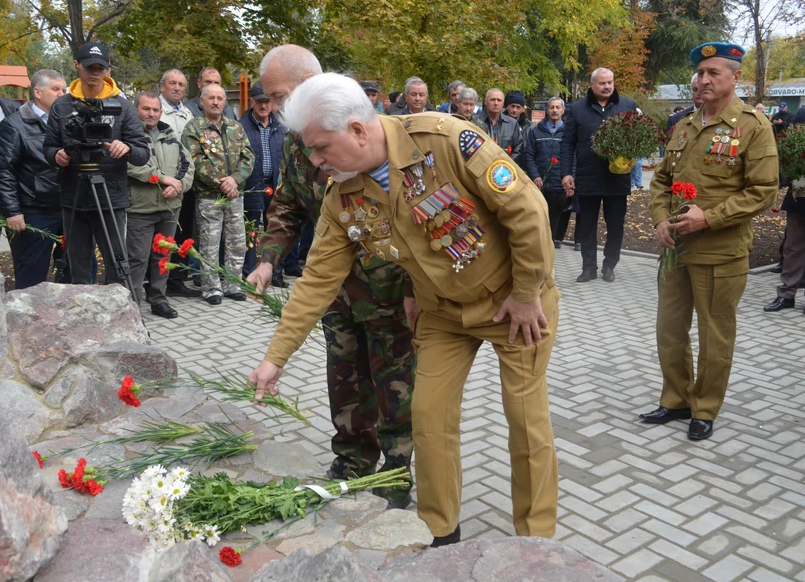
[(729, 115)]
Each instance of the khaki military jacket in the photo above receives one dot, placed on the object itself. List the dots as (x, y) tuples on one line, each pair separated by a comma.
[(217, 152), (732, 189), (508, 232)]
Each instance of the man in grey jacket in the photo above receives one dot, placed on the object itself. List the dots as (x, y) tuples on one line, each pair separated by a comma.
[(156, 196), (502, 128), (207, 76)]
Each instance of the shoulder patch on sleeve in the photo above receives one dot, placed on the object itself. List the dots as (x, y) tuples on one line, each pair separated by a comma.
[(468, 142), (501, 176)]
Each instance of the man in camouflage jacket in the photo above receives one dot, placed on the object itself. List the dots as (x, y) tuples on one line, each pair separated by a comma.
[(370, 358), (223, 160)]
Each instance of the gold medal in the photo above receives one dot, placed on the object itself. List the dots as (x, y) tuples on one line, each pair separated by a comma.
[(344, 216), (446, 240), (373, 212), (435, 245), (708, 160), (438, 220)]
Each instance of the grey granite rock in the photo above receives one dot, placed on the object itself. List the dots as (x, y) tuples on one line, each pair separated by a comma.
[(49, 324), (354, 508), (328, 535), (516, 559), (92, 400), (333, 565), (26, 415), (145, 363), (189, 561), (101, 549), (390, 530), (286, 459), (109, 503)]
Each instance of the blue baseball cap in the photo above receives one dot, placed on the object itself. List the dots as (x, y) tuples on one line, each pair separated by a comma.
[(725, 50)]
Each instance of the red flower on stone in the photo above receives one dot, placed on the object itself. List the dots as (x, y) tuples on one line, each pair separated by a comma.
[(153, 179), (38, 458), (93, 487), (64, 479), (229, 556), (129, 390), (185, 248)]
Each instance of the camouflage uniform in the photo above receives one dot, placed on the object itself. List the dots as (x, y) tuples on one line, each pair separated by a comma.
[(219, 152), (370, 359)]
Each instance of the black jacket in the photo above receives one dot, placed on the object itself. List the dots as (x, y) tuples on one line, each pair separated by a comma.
[(593, 177), (509, 136), (800, 116), (675, 118), (127, 128), (790, 204), (28, 184), (787, 119), (8, 106), (540, 146), (256, 183)]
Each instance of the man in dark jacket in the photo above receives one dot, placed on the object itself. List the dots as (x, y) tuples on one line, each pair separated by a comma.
[(696, 95), (207, 76), (82, 222), (29, 187), (502, 128), (594, 183), (265, 135), (541, 155), (514, 104), (782, 119), (793, 254)]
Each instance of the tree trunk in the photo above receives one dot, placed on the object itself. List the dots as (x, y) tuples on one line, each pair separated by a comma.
[(760, 51), (75, 12)]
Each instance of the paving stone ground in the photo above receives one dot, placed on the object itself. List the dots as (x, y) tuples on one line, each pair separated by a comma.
[(644, 501)]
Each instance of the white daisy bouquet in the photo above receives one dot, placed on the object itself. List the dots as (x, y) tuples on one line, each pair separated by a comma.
[(149, 506)]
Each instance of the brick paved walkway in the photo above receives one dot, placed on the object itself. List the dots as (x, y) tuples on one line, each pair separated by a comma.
[(645, 501)]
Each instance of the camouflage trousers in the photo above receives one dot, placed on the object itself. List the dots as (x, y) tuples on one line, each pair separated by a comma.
[(215, 222), (370, 377)]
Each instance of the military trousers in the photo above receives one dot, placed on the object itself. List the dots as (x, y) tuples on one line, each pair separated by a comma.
[(445, 352), (714, 292), (370, 373), (214, 222)]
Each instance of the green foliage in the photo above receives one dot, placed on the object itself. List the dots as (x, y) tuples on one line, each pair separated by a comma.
[(791, 149), (628, 134), (786, 60)]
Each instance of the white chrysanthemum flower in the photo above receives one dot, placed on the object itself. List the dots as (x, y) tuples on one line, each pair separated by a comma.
[(194, 534), (178, 489), (180, 473), (160, 484), (154, 471), (166, 526), (212, 534), (159, 503)]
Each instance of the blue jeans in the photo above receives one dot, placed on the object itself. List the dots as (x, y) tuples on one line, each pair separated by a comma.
[(637, 173)]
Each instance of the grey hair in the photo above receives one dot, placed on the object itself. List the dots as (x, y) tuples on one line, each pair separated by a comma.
[(141, 94), (205, 87), (413, 81), (600, 70), (297, 61), (177, 71), (205, 69), (552, 99), (694, 78), (488, 93), (42, 79), (468, 93), (455, 85), (733, 65), (331, 99)]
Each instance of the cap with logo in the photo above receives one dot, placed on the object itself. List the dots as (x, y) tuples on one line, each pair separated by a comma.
[(725, 50), (370, 86), (256, 92), (783, 104), (92, 53)]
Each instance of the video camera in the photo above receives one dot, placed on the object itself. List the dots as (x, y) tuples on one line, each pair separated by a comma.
[(86, 127)]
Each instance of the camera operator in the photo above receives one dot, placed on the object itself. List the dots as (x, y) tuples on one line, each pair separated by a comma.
[(29, 187), (126, 143)]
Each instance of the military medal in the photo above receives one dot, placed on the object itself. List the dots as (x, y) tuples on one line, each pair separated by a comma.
[(360, 213), (354, 232), (681, 138), (373, 212), (394, 252), (708, 160), (345, 204)]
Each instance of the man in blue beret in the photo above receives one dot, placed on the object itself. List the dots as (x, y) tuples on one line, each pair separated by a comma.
[(726, 149)]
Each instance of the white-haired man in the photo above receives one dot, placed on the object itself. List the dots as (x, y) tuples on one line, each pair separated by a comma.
[(370, 356), (472, 232)]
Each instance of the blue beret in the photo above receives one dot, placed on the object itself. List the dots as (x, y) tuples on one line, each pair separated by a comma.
[(726, 50)]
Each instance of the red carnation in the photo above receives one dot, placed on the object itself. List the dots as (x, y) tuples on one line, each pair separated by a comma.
[(690, 192), (38, 458), (129, 390), (269, 190), (229, 556), (775, 210), (163, 244), (163, 266), (153, 179), (62, 241), (509, 150), (185, 248), (64, 479), (677, 188), (93, 487)]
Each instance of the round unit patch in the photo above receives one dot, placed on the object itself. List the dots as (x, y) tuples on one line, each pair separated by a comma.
[(501, 176)]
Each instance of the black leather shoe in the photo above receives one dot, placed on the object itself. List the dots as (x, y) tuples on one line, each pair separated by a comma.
[(197, 280), (236, 296), (278, 281), (293, 272), (164, 310), (587, 275), (778, 268), (778, 304), (452, 538), (663, 415), (213, 300), (608, 274), (577, 247), (179, 289), (700, 429), (557, 244)]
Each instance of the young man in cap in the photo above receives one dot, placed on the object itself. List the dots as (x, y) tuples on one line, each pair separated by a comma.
[(727, 151), (83, 221)]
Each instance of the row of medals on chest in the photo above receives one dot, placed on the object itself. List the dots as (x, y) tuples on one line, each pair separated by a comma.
[(444, 217), (209, 140), (724, 141)]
